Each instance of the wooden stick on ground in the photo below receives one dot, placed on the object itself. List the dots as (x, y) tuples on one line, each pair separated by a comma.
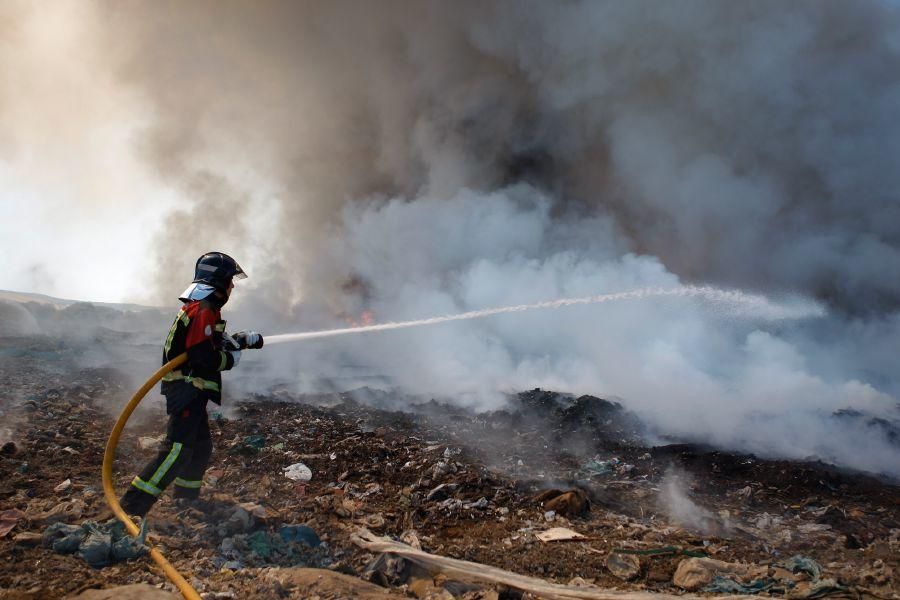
[(471, 571)]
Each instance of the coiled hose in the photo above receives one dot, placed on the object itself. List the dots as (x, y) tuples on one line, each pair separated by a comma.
[(109, 455)]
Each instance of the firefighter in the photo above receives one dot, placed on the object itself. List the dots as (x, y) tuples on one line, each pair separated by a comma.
[(199, 330)]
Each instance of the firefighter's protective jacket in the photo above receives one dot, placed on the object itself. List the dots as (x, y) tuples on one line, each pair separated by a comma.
[(198, 329)]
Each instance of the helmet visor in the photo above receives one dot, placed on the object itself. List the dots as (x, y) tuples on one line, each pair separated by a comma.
[(239, 272)]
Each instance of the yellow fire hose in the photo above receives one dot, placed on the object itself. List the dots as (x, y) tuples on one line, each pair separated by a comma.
[(183, 586)]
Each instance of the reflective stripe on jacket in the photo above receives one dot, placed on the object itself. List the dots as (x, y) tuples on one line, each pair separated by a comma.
[(197, 330)]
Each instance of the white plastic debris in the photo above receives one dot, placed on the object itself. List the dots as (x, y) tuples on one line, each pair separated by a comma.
[(63, 486), (298, 472), (150, 443), (558, 534)]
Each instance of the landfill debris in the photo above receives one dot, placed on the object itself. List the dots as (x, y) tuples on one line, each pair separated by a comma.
[(98, 544), (375, 521), (802, 564), (243, 517), (28, 538), (385, 471), (624, 566), (298, 472), (442, 492), (558, 534), (150, 443), (299, 533), (9, 519), (62, 487), (323, 583), (137, 591), (63, 512), (249, 445), (693, 574), (724, 585), (664, 551), (291, 546), (570, 503), (597, 467)]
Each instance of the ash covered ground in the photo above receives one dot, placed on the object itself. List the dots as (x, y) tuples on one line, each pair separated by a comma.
[(479, 487)]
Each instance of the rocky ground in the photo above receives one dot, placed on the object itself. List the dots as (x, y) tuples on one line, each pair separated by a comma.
[(476, 487)]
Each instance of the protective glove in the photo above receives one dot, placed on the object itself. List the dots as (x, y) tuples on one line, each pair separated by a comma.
[(248, 339), (230, 343), (236, 355)]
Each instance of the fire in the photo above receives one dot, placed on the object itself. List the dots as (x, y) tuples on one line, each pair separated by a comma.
[(366, 318)]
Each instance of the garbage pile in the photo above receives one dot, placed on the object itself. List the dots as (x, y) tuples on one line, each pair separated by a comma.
[(554, 488)]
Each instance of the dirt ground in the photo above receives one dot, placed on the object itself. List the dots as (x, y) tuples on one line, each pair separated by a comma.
[(477, 487)]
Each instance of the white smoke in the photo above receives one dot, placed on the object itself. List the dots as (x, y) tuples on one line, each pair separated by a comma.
[(676, 502), (684, 366), (416, 159)]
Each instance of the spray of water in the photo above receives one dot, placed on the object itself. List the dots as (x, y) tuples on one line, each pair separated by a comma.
[(733, 302)]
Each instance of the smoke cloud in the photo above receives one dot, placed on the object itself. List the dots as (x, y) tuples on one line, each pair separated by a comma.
[(413, 159)]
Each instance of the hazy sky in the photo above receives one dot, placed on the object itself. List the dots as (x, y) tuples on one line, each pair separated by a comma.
[(77, 209)]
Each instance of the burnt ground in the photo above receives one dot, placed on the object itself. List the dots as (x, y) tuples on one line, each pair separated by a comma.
[(380, 469)]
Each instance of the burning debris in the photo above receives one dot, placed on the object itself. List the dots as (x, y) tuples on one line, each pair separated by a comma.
[(491, 489)]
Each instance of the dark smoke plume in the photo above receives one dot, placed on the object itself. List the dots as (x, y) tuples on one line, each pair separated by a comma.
[(420, 158)]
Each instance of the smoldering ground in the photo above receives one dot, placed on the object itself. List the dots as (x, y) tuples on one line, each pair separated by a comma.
[(418, 158)]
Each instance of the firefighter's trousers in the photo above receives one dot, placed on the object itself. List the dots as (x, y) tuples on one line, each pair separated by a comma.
[(181, 460)]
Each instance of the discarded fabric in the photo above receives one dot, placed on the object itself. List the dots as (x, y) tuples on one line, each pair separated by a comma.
[(98, 544)]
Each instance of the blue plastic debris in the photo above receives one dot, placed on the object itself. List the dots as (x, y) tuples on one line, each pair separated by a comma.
[(299, 533), (98, 544)]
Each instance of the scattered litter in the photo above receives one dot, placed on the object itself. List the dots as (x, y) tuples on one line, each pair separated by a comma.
[(250, 445), (723, 585), (299, 533), (664, 551), (802, 564), (291, 546), (62, 487), (442, 492), (375, 521), (98, 544), (441, 469), (67, 511), (571, 503), (9, 519), (150, 443), (298, 472), (27, 538), (693, 574), (558, 534), (624, 566), (596, 467)]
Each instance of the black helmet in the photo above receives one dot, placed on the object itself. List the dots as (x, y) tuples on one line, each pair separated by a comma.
[(217, 269)]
